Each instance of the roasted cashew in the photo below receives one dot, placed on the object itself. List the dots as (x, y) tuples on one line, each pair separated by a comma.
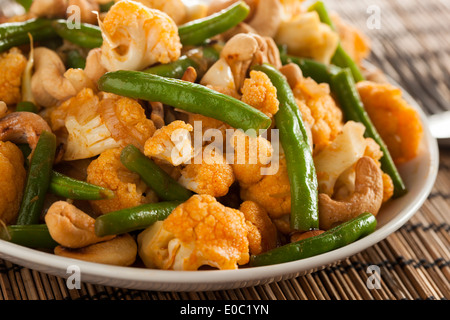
[(267, 18), (94, 69), (23, 127), (71, 227), (246, 49), (368, 196), (293, 74), (3, 109), (120, 251), (48, 84), (49, 8)]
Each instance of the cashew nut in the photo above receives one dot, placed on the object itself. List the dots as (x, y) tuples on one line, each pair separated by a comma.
[(49, 8), (293, 74), (246, 49), (120, 251), (267, 18), (94, 69), (368, 196), (71, 227), (3, 109), (23, 127), (48, 84), (157, 114)]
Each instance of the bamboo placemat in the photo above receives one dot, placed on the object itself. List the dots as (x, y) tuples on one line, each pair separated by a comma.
[(413, 47)]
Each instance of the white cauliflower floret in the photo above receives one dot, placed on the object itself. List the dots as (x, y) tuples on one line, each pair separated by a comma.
[(348, 147), (219, 75), (135, 37), (213, 176), (93, 123), (306, 36), (171, 143), (199, 232)]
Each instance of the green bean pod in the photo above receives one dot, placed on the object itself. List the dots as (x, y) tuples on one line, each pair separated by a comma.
[(156, 178), (319, 72), (38, 179), (332, 239), (198, 31), (300, 165), (191, 97), (75, 60), (13, 34), (31, 236), (343, 86), (64, 186), (131, 219), (200, 59), (340, 57), (27, 106), (86, 35)]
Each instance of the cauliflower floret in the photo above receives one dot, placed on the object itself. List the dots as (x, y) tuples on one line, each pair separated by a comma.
[(13, 176), (397, 122), (94, 123), (260, 93), (319, 111), (251, 155), (306, 36), (109, 172), (262, 233), (135, 37), (354, 42), (171, 143), (199, 232), (272, 192), (174, 8), (213, 176), (12, 65)]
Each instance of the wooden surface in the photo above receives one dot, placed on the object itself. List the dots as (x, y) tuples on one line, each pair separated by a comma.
[(413, 47)]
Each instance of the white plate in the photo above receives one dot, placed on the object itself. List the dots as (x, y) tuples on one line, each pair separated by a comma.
[(419, 176)]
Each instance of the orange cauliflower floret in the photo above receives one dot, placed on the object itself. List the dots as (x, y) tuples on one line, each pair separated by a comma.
[(135, 37), (354, 42), (199, 232), (260, 93), (213, 176), (251, 156), (262, 233), (174, 8), (129, 190), (94, 123), (12, 65), (319, 111), (171, 143), (13, 176), (272, 192), (397, 122)]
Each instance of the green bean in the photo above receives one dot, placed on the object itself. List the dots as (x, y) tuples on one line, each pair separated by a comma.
[(311, 68), (14, 34), (32, 236), (75, 60), (197, 31), (38, 179), (340, 57), (332, 239), (343, 86), (300, 165), (27, 106), (200, 59), (86, 35), (156, 178), (191, 97), (132, 219), (64, 186)]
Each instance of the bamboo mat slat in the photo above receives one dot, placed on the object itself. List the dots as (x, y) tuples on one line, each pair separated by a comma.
[(413, 47)]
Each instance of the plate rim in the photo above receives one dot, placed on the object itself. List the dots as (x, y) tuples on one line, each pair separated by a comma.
[(169, 280)]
